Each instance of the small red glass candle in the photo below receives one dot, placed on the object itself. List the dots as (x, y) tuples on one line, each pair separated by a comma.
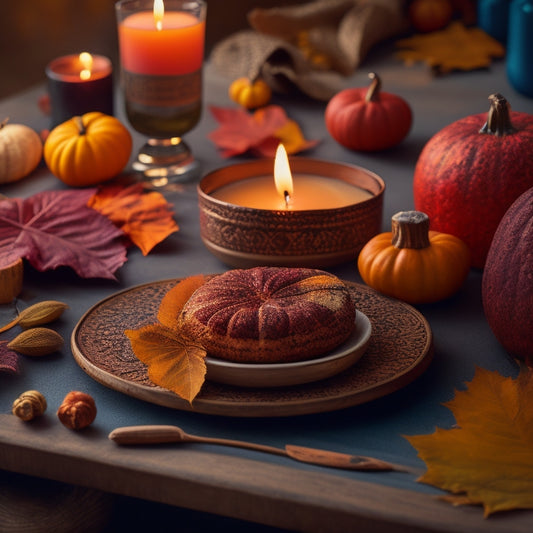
[(78, 84)]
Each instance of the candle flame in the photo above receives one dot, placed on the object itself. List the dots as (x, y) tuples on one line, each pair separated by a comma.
[(159, 11), (282, 174), (86, 61)]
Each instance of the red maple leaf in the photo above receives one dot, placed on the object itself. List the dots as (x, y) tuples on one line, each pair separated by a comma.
[(240, 131), (57, 228), (9, 360)]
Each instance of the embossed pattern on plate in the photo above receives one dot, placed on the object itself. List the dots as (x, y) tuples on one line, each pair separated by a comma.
[(398, 351)]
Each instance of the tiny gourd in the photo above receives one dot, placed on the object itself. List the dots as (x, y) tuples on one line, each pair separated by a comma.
[(412, 263), (368, 119), (88, 149), (250, 94), (21, 150)]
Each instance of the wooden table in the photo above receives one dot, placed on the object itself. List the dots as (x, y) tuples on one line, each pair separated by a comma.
[(249, 485)]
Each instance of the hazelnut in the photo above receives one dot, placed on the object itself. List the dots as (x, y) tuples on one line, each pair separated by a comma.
[(77, 411)]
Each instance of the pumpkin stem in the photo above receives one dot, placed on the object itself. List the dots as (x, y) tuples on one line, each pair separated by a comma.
[(81, 126), (373, 90), (498, 120), (410, 229), (4, 122)]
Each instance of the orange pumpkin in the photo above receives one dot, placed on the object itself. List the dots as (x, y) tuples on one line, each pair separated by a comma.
[(250, 94), (88, 150), (412, 263)]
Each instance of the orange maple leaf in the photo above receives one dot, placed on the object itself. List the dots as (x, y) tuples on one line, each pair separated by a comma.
[(488, 458), (174, 362), (175, 299), (146, 217)]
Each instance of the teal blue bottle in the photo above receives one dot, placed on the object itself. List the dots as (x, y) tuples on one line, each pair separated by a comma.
[(520, 46), (493, 18)]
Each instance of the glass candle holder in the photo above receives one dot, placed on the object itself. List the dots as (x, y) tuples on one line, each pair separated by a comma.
[(161, 47)]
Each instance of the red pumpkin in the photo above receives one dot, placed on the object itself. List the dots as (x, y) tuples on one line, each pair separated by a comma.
[(507, 286), (430, 15), (470, 172), (368, 119)]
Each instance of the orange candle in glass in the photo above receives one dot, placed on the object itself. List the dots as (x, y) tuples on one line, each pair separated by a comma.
[(161, 43), (161, 53)]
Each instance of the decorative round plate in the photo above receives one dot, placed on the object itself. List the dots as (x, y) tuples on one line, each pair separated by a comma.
[(284, 374), (399, 350)]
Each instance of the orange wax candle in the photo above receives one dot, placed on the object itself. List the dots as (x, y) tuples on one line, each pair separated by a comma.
[(174, 47), (309, 192)]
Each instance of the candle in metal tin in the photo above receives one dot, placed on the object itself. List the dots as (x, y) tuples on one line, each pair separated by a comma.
[(322, 218)]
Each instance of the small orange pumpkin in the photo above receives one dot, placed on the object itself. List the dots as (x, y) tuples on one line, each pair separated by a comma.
[(250, 94), (88, 150), (412, 263)]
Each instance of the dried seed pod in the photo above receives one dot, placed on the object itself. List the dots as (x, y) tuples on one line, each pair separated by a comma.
[(41, 313), (77, 411), (36, 341), (29, 405)]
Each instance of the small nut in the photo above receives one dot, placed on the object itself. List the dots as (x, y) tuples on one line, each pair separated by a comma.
[(77, 411), (29, 405), (37, 341)]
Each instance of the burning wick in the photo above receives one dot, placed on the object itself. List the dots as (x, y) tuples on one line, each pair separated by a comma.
[(287, 197)]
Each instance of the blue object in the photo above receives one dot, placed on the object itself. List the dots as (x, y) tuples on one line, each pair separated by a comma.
[(520, 46), (493, 17)]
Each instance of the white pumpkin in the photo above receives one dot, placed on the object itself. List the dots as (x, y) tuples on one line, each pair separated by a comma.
[(21, 150)]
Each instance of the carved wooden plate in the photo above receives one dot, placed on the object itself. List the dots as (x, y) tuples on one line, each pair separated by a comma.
[(399, 350)]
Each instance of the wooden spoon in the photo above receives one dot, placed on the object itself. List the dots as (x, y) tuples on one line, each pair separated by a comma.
[(167, 434)]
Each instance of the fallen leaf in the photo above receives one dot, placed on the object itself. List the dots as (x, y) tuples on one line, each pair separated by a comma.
[(57, 228), (488, 458), (146, 217), (9, 360), (454, 48), (174, 300), (259, 132), (174, 362), (291, 136)]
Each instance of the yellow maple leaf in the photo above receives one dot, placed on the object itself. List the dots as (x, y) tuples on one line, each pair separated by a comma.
[(290, 134), (173, 362), (488, 458), (175, 299), (146, 217), (454, 48)]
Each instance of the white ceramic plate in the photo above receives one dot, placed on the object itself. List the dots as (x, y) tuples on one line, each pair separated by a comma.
[(284, 374)]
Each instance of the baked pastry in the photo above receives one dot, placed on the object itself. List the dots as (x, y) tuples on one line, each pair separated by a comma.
[(269, 314)]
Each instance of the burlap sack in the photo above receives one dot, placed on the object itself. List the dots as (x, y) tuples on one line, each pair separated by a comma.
[(338, 32)]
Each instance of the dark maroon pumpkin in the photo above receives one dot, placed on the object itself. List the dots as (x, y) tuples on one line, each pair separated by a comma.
[(470, 172), (508, 280), (368, 119)]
